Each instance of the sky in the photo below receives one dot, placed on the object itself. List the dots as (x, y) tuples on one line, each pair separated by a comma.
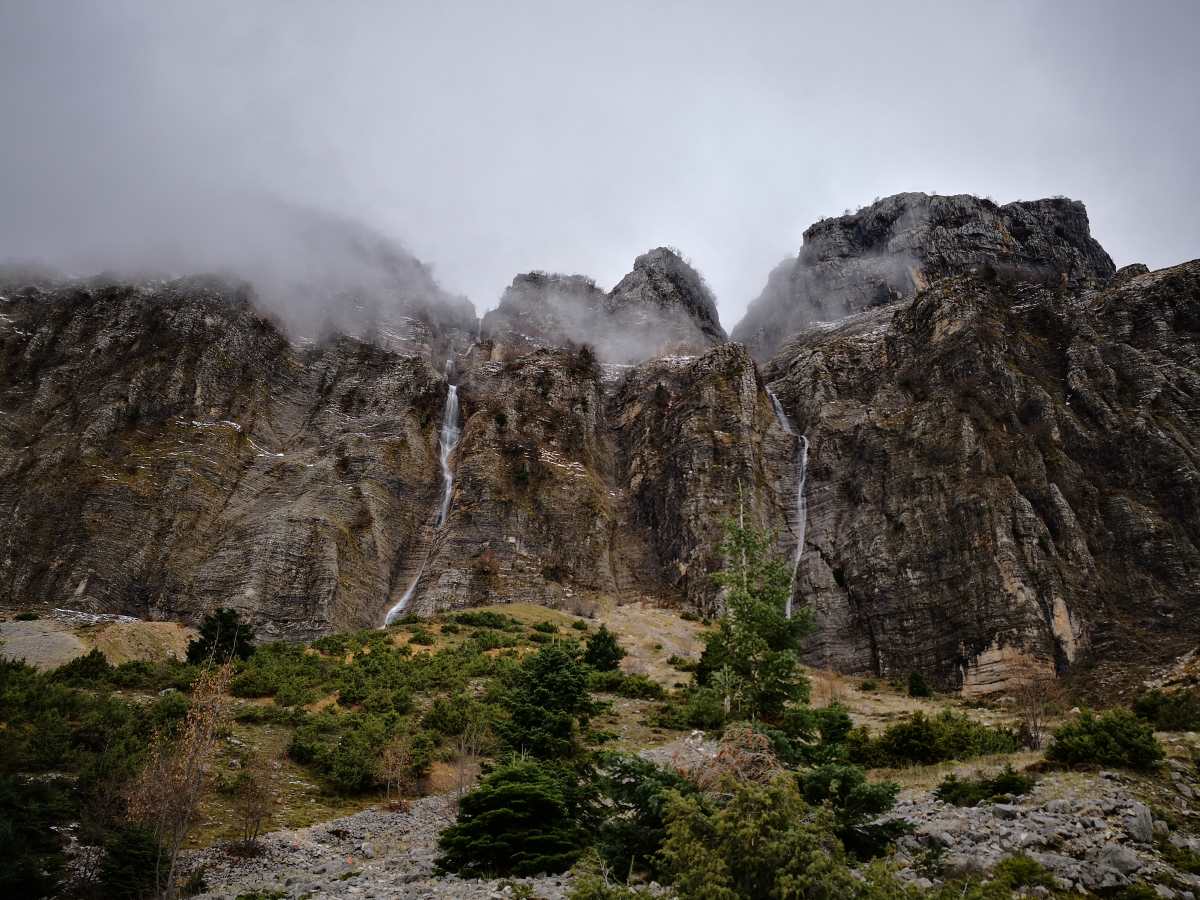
[(496, 138)]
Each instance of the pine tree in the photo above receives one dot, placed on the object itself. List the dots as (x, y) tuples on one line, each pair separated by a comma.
[(753, 653)]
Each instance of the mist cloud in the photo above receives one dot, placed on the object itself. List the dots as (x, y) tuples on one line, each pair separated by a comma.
[(491, 139)]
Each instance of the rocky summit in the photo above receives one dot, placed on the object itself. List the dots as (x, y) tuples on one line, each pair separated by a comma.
[(898, 246), (976, 440)]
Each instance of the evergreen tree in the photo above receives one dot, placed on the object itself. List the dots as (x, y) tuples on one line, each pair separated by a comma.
[(223, 636), (524, 818), (547, 694), (752, 656), (603, 653)]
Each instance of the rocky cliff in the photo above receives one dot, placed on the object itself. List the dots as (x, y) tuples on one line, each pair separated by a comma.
[(1003, 469), (1002, 476), (902, 244), (663, 306), (164, 449)]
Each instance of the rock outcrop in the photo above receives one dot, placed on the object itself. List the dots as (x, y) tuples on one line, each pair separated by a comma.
[(1003, 447), (1001, 476), (165, 450), (661, 307), (902, 244)]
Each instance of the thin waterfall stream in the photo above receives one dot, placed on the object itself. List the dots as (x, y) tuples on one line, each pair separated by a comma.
[(801, 513), (447, 441)]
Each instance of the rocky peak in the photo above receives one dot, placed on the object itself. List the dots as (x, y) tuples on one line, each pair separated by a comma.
[(665, 291), (898, 246), (662, 306)]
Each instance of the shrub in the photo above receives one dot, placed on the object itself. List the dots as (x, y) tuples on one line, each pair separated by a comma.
[(90, 670), (448, 715), (681, 664), (1178, 711), (693, 707), (422, 637), (868, 684), (579, 625), (856, 803), (130, 867), (759, 841), (982, 788), (546, 695), (918, 686), (487, 639), (450, 628), (524, 818), (634, 828), (545, 627), (639, 687), (33, 850), (223, 636), (25, 617), (603, 653), (483, 619), (925, 740), (1113, 738)]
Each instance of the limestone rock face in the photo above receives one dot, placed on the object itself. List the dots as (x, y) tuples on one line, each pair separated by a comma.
[(661, 307), (900, 245), (165, 450), (1002, 476)]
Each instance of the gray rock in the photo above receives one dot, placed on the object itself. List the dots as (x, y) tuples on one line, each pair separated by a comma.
[(1140, 825)]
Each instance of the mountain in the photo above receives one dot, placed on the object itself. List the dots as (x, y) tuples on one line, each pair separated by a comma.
[(900, 245), (1003, 476), (997, 445), (663, 306)]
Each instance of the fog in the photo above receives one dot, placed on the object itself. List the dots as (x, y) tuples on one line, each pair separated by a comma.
[(491, 139)]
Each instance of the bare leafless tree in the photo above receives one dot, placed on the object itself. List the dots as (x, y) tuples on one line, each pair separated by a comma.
[(395, 769), (470, 745), (1036, 700), (165, 794), (254, 796)]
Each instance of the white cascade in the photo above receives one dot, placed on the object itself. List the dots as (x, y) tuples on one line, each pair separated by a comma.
[(447, 441), (801, 515)]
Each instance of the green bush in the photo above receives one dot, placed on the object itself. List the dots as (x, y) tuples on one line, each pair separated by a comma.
[(25, 617), (918, 686), (129, 868), (602, 652), (523, 818), (487, 639), (1113, 738), (484, 619), (982, 788), (450, 628), (544, 698), (692, 707), (422, 637), (639, 687), (925, 740), (637, 792), (579, 625), (681, 664), (223, 636), (856, 805), (1177, 711), (33, 850), (545, 627), (449, 715), (754, 841), (868, 685), (90, 670)]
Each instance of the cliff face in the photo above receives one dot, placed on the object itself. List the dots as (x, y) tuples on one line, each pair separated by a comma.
[(1003, 465), (900, 245), (661, 307), (1002, 476), (165, 450)]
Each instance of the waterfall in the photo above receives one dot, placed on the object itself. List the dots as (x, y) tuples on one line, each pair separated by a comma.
[(800, 522), (446, 444), (447, 441)]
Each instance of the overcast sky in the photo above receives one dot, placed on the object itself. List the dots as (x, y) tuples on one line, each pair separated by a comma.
[(493, 138)]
